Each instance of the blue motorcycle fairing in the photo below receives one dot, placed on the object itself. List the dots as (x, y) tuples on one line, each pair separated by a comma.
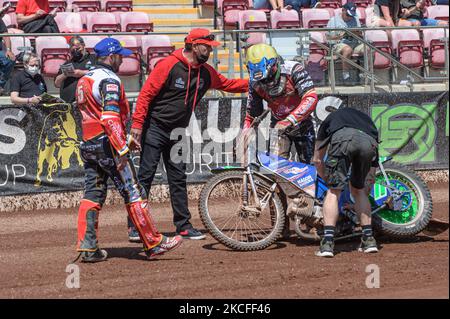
[(301, 175)]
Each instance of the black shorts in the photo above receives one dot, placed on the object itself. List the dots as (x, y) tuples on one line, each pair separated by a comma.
[(350, 148)]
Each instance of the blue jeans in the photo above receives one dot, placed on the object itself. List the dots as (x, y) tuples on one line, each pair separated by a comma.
[(297, 4), (6, 67), (426, 22), (261, 4)]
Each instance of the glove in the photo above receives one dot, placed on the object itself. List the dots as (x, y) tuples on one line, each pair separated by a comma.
[(283, 125)]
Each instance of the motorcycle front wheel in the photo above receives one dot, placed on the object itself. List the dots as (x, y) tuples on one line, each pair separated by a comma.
[(239, 227)]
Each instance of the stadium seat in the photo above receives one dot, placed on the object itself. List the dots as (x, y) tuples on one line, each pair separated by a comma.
[(408, 47), (117, 5), (101, 22), (131, 65), (83, 5), (135, 22), (360, 3), (253, 20), (69, 22), (229, 10), (315, 18), (439, 12), (18, 43), (317, 54), (91, 41), (285, 19), (207, 2), (156, 47), (433, 40), (334, 4), (380, 40), (10, 20), (53, 51), (60, 4)]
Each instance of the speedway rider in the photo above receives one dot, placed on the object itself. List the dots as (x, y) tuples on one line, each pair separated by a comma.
[(105, 151), (291, 96)]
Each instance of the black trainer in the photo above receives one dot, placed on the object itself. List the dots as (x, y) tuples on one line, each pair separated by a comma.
[(192, 233), (94, 256), (326, 248), (368, 245)]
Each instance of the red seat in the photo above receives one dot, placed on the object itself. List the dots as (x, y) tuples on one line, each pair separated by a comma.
[(439, 12), (315, 18), (317, 54), (230, 10), (101, 22), (253, 20), (408, 47), (135, 22), (69, 22), (84, 5), (18, 43), (433, 41), (334, 4), (360, 3), (53, 51), (117, 5), (91, 41), (207, 2), (131, 65), (380, 40), (60, 4), (285, 19), (156, 48)]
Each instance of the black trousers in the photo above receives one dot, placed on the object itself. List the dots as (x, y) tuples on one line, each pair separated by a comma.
[(156, 142), (46, 24)]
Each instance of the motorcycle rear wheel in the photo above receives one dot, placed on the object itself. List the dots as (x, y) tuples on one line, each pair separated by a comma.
[(418, 205)]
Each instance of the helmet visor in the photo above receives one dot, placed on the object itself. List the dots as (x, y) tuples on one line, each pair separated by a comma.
[(259, 71)]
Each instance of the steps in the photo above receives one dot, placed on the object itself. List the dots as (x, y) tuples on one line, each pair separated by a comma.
[(180, 16)]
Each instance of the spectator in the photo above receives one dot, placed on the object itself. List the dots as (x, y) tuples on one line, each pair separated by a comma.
[(298, 4), (348, 45), (34, 16), (7, 58), (269, 4), (82, 61), (412, 14), (28, 85), (383, 13)]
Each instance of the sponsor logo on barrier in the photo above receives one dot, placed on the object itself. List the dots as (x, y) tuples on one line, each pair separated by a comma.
[(58, 143), (408, 132)]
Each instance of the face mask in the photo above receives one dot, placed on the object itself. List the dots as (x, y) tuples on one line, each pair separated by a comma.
[(33, 70), (202, 58), (76, 55)]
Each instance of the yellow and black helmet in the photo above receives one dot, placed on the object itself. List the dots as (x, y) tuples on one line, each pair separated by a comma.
[(263, 63)]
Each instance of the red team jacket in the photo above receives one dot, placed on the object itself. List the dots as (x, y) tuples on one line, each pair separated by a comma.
[(174, 88)]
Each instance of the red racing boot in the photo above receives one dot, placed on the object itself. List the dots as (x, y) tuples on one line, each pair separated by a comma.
[(166, 244)]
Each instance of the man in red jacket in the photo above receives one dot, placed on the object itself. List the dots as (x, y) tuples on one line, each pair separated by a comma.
[(166, 102)]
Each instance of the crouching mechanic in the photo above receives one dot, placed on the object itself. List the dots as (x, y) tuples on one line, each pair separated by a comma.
[(291, 96), (352, 140), (105, 152)]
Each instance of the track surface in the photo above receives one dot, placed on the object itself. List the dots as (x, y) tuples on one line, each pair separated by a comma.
[(37, 246)]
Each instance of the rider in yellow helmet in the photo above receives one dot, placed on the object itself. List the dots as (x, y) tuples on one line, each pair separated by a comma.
[(291, 96)]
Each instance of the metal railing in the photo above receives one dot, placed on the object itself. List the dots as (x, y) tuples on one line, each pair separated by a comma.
[(301, 43)]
